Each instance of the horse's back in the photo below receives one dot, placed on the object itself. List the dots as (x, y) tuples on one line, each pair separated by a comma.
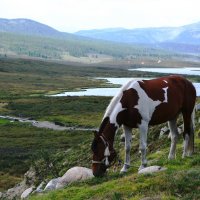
[(175, 93)]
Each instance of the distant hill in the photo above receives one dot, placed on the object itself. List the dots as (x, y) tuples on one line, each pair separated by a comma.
[(182, 39), (189, 34), (30, 27)]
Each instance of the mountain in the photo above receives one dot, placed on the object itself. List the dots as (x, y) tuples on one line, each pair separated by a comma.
[(31, 38), (30, 27), (188, 34)]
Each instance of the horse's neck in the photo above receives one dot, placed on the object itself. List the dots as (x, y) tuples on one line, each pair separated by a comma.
[(109, 132)]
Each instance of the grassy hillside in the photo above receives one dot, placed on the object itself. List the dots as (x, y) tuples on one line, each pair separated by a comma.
[(181, 180), (24, 82), (52, 48)]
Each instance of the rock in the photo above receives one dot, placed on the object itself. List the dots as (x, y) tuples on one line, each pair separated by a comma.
[(26, 193), (30, 176), (39, 188), (74, 174), (51, 185), (163, 131), (16, 192), (151, 169)]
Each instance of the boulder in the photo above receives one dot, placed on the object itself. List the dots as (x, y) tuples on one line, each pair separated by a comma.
[(74, 174), (16, 192), (39, 188), (51, 185), (26, 193), (151, 169)]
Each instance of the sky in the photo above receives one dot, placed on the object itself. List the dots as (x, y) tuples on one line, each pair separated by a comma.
[(75, 15)]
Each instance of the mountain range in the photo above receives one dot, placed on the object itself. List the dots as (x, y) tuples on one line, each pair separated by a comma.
[(185, 39), (188, 34)]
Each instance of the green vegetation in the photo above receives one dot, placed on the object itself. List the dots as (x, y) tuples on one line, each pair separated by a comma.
[(181, 180), (22, 87), (44, 47)]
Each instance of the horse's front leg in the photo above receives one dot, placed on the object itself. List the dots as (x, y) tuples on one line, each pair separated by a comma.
[(143, 129), (128, 138)]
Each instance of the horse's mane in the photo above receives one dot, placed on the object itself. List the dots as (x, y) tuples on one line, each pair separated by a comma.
[(115, 99)]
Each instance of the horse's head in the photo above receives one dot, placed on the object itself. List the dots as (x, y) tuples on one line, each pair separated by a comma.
[(103, 154)]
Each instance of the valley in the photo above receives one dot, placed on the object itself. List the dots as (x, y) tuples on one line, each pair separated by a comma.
[(24, 84), (37, 62)]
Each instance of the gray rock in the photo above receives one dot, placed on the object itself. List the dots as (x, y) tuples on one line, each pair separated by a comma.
[(26, 193), (39, 188), (16, 192), (51, 185), (151, 169), (164, 131), (74, 174)]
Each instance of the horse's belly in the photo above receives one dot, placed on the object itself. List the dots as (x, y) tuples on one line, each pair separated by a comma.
[(163, 113)]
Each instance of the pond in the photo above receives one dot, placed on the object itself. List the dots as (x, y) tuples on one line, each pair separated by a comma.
[(184, 70), (108, 91)]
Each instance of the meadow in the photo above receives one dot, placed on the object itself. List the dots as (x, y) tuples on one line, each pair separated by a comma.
[(24, 82)]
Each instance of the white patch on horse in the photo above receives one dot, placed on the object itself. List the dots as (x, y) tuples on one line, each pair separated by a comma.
[(165, 81), (115, 105), (146, 106), (165, 95)]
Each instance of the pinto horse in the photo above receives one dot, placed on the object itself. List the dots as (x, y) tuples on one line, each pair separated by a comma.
[(140, 104)]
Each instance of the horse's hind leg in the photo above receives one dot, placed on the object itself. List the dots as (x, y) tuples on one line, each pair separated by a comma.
[(188, 135), (174, 138)]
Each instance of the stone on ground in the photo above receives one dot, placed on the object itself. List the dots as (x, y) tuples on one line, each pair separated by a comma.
[(151, 169), (74, 174)]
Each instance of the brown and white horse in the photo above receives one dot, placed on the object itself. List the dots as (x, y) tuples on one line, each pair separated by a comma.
[(138, 105)]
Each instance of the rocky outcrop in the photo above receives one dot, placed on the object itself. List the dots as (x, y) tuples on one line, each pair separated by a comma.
[(16, 192)]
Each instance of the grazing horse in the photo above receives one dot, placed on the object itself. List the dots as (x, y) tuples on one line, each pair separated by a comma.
[(138, 105)]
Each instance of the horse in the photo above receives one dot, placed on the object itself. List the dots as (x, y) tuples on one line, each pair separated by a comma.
[(140, 104)]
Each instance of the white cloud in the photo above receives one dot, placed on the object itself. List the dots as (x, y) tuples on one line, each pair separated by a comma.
[(73, 15)]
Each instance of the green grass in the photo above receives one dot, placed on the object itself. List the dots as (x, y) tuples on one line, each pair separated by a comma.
[(22, 87), (181, 180), (21, 145)]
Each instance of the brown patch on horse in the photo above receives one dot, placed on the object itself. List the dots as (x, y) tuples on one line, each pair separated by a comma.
[(177, 100), (130, 116), (157, 94)]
